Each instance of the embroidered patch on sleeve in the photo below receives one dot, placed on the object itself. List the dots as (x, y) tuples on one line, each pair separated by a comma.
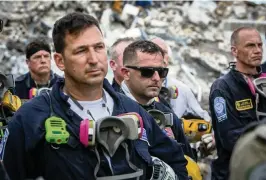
[(244, 104), (220, 108)]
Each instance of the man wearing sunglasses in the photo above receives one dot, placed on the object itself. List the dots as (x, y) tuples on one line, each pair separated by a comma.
[(84, 94), (144, 73), (186, 104)]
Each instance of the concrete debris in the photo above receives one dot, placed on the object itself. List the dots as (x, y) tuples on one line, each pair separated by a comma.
[(240, 10), (198, 12), (188, 27)]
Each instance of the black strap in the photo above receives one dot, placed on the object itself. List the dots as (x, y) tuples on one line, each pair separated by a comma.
[(72, 142), (50, 104)]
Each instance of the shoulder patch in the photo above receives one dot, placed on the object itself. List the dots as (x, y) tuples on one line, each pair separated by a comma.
[(244, 104), (220, 108), (3, 144)]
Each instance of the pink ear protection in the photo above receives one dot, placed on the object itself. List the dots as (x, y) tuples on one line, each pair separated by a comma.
[(87, 132), (137, 117)]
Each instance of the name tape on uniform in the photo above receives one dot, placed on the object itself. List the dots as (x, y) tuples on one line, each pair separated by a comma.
[(244, 104)]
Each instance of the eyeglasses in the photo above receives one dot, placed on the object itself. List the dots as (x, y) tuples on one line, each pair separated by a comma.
[(148, 72)]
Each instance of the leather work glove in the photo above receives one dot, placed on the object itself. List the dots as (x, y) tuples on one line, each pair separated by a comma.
[(207, 144)]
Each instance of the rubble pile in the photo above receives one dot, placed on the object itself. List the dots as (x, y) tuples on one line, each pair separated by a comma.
[(193, 29)]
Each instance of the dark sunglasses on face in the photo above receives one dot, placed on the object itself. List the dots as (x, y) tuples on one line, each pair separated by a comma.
[(148, 72)]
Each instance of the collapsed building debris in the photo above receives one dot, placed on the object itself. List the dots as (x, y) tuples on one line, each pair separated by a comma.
[(194, 30)]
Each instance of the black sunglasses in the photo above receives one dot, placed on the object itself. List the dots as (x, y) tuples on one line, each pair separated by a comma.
[(148, 72)]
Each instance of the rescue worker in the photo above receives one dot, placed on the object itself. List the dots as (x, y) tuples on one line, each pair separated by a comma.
[(116, 61), (38, 59), (144, 73), (249, 154), (232, 102), (185, 105), (82, 95)]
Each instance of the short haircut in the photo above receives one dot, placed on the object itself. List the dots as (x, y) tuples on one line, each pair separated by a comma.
[(235, 35), (113, 53), (130, 53), (35, 46), (72, 23)]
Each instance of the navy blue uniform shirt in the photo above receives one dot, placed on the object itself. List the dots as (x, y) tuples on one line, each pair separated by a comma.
[(24, 83), (27, 154), (232, 107)]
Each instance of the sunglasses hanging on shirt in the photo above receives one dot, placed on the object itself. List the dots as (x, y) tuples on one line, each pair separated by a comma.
[(148, 72)]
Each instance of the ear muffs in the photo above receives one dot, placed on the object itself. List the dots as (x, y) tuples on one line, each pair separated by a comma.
[(87, 132), (137, 118)]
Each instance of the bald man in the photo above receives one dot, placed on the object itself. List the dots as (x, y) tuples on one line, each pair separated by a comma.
[(186, 102), (233, 99)]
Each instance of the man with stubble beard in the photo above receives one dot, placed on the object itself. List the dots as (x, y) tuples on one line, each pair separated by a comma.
[(232, 97)]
